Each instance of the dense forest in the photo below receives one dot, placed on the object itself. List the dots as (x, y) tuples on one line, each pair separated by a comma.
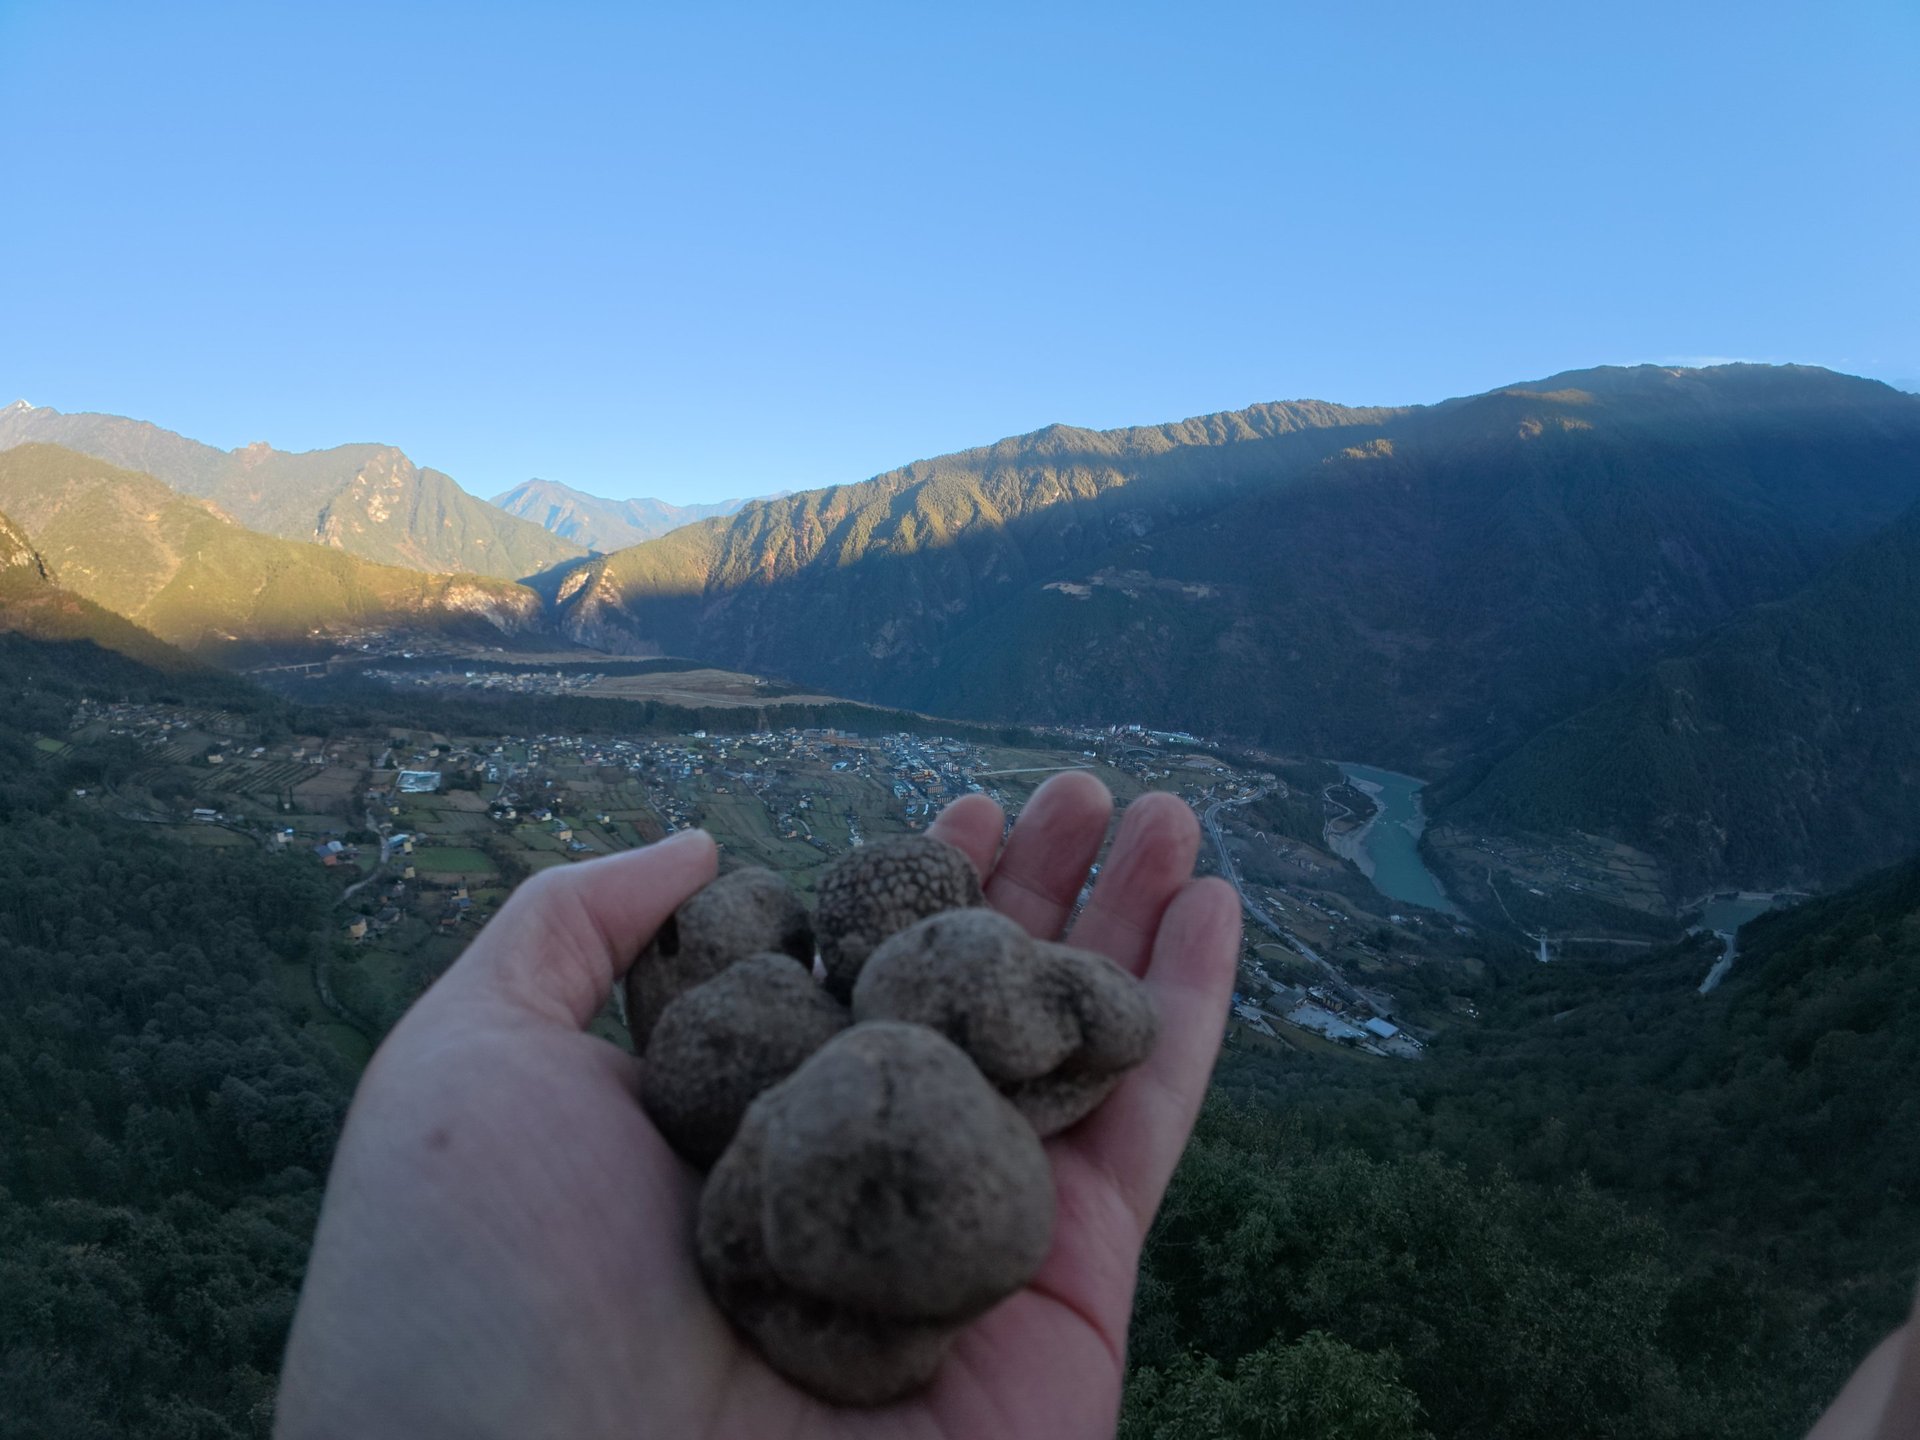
[(1775, 749), (163, 1129), (1617, 1207), (1613, 1208)]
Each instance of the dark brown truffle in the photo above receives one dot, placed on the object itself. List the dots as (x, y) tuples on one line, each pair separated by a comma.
[(718, 1045), (879, 890), (870, 1205), (744, 912), (1053, 1027)]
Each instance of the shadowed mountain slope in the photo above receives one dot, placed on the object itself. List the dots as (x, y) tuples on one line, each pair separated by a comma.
[(368, 500), (1419, 586), (1782, 749)]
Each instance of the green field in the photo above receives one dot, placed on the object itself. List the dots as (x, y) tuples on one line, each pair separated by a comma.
[(451, 860)]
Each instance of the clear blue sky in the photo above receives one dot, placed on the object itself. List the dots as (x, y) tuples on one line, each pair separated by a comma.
[(700, 250)]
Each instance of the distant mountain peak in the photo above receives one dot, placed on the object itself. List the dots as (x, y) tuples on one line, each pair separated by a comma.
[(597, 522)]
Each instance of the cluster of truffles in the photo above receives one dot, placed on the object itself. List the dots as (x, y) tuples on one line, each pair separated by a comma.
[(877, 1178)]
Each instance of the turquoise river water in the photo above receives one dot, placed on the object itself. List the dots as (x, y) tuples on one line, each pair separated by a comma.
[(1392, 841)]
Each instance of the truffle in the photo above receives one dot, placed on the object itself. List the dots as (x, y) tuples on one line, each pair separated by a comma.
[(870, 1206), (744, 912), (879, 890), (717, 1046), (1054, 1028)]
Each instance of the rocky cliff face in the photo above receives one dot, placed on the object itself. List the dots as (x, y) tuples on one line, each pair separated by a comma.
[(18, 558), (512, 610)]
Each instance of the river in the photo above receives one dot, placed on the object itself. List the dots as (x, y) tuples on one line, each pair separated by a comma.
[(1724, 915), (1388, 845)]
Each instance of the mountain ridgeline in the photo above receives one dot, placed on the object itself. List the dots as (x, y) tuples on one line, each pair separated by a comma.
[(367, 500), (181, 570), (598, 524), (1675, 608), (1426, 586)]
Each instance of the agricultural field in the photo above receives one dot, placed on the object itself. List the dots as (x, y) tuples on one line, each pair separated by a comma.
[(436, 861), (500, 808)]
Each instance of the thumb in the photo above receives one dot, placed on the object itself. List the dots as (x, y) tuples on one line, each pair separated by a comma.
[(567, 934)]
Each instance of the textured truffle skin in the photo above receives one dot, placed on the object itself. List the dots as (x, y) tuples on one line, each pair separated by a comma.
[(871, 1205), (1053, 1027), (717, 1046), (742, 913), (879, 890)]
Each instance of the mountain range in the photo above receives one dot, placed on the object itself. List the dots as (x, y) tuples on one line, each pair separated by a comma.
[(182, 570), (1426, 586), (599, 524), (367, 500), (1671, 607)]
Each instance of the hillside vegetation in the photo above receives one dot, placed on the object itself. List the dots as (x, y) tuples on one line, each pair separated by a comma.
[(1421, 586), (1783, 748), (1614, 1208), (181, 570), (367, 500), (35, 605)]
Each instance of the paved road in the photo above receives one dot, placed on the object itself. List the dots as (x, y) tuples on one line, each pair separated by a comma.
[(386, 853)]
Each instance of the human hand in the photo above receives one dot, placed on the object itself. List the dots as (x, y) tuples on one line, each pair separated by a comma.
[(506, 1244)]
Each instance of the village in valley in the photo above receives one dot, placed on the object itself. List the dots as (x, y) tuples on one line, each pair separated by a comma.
[(426, 833)]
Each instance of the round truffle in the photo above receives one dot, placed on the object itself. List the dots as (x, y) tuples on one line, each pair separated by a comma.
[(879, 890), (1053, 1027), (871, 1204), (718, 1045), (744, 912), (843, 1356)]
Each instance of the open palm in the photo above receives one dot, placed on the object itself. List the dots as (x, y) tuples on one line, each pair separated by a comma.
[(506, 1244)]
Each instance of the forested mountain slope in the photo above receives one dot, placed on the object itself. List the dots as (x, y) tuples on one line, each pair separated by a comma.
[(33, 603), (599, 524), (368, 500), (1612, 1207), (1416, 586), (164, 1123), (1782, 749), (179, 569)]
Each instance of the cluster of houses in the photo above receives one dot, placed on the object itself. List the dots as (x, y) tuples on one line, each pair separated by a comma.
[(923, 773), (532, 682), (1320, 1011)]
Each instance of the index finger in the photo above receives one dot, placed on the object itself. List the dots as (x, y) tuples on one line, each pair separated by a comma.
[(1136, 1137), (1152, 857)]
